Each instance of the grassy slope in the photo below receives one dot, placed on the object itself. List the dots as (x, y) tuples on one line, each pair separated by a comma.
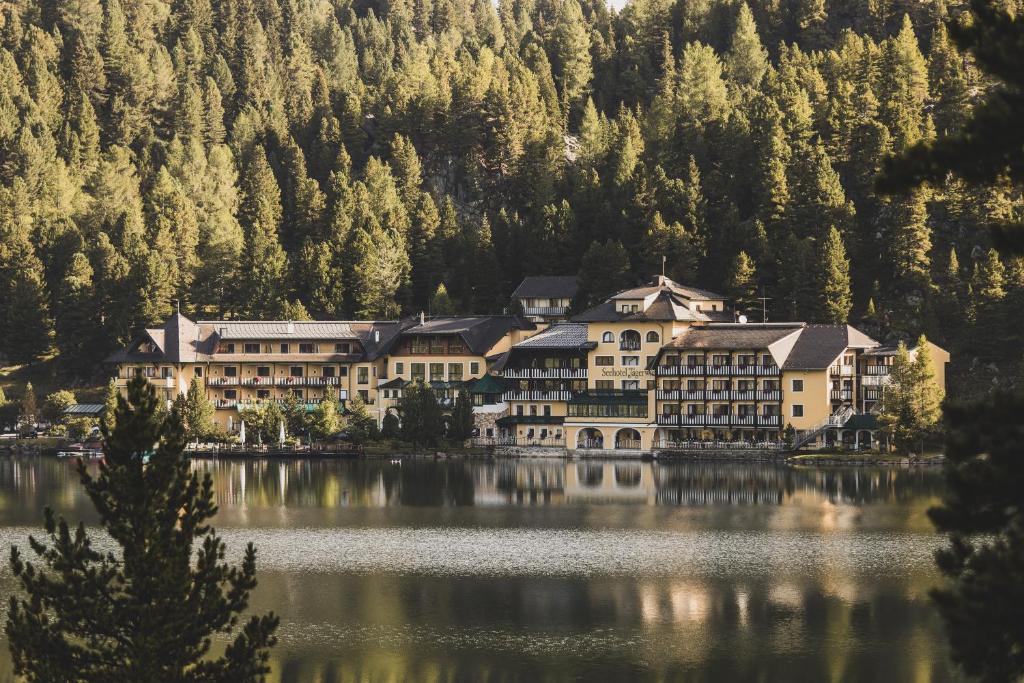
[(46, 379)]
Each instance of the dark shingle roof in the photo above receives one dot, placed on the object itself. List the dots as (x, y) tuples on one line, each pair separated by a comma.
[(480, 332), (560, 336), (733, 336), (547, 286), (819, 346)]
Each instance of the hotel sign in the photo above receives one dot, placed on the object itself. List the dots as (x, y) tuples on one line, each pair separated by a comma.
[(627, 373)]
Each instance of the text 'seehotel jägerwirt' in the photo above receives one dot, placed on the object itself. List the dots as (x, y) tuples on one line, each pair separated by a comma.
[(648, 368)]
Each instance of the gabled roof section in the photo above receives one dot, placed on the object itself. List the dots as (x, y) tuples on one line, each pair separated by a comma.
[(282, 329), (480, 333), (179, 340), (733, 336), (664, 300), (547, 287), (378, 337), (819, 345), (559, 336)]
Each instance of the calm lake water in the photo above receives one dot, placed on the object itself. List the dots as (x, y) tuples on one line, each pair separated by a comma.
[(540, 570)]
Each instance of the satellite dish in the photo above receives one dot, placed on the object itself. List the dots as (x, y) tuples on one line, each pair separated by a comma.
[(743, 319)]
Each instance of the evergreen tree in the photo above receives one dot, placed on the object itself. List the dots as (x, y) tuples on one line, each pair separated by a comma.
[(741, 285), (260, 288), (836, 298), (148, 611), (440, 303), (360, 425), (109, 416), (196, 412), (325, 421), (747, 59), (29, 412), (422, 421), (910, 406), (603, 271), (390, 427), (461, 427)]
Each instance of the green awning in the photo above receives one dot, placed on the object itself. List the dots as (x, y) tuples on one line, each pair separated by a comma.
[(488, 384)]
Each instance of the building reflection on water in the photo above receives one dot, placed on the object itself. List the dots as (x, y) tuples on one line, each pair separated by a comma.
[(845, 606), (382, 483)]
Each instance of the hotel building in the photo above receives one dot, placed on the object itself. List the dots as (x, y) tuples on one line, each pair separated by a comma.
[(653, 367)]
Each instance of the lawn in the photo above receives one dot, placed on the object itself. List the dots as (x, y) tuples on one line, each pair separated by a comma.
[(46, 379)]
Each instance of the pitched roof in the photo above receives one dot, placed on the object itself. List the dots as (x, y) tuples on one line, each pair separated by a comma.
[(559, 336), (664, 308), (279, 329), (89, 409), (820, 345), (733, 336), (480, 332), (547, 286)]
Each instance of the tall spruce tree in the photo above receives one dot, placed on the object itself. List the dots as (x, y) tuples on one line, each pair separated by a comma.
[(147, 610), (834, 281)]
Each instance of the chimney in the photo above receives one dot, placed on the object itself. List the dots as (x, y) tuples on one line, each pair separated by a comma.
[(423, 318), (376, 336), (291, 327)]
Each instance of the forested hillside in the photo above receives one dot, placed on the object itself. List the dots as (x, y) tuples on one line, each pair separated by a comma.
[(348, 158)]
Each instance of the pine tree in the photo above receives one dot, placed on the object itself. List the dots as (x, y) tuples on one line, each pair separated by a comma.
[(909, 411), (440, 303), (109, 416), (571, 62), (148, 611), (461, 427), (836, 298), (989, 278), (196, 412), (422, 422), (741, 283), (28, 413), (325, 421), (603, 271), (25, 324), (360, 425), (747, 59), (260, 291)]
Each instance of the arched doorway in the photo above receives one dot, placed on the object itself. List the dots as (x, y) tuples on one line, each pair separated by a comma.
[(627, 439), (589, 438)]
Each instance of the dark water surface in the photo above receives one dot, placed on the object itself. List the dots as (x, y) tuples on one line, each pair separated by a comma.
[(544, 570)]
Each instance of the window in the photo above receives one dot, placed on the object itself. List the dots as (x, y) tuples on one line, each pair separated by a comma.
[(474, 368), (604, 384), (328, 371), (297, 393), (533, 411), (285, 348), (341, 348), (306, 348), (263, 393), (798, 410), (165, 372), (720, 359), (420, 345), (437, 372), (607, 338), (652, 337), (418, 372), (629, 340), (455, 372), (519, 409), (343, 371), (798, 385), (652, 385), (547, 411), (631, 361), (399, 368), (694, 360), (604, 360), (436, 345), (630, 385), (263, 371), (251, 348), (455, 346), (230, 371), (363, 375), (198, 372), (226, 348), (365, 396), (295, 371), (230, 394)]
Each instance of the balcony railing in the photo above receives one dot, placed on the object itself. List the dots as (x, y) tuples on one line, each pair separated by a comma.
[(705, 420), (717, 370), (876, 369), (841, 371), (222, 381), (629, 346), (537, 395), (545, 373), (545, 310), (842, 395), (872, 393)]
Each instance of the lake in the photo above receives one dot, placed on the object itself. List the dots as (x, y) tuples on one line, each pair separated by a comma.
[(554, 570)]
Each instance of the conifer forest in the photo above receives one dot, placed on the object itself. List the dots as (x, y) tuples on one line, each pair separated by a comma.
[(341, 159)]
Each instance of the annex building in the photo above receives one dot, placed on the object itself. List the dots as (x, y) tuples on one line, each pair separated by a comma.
[(660, 366)]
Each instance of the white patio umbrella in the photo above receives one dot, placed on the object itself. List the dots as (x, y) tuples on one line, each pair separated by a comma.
[(280, 436), (241, 433)]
